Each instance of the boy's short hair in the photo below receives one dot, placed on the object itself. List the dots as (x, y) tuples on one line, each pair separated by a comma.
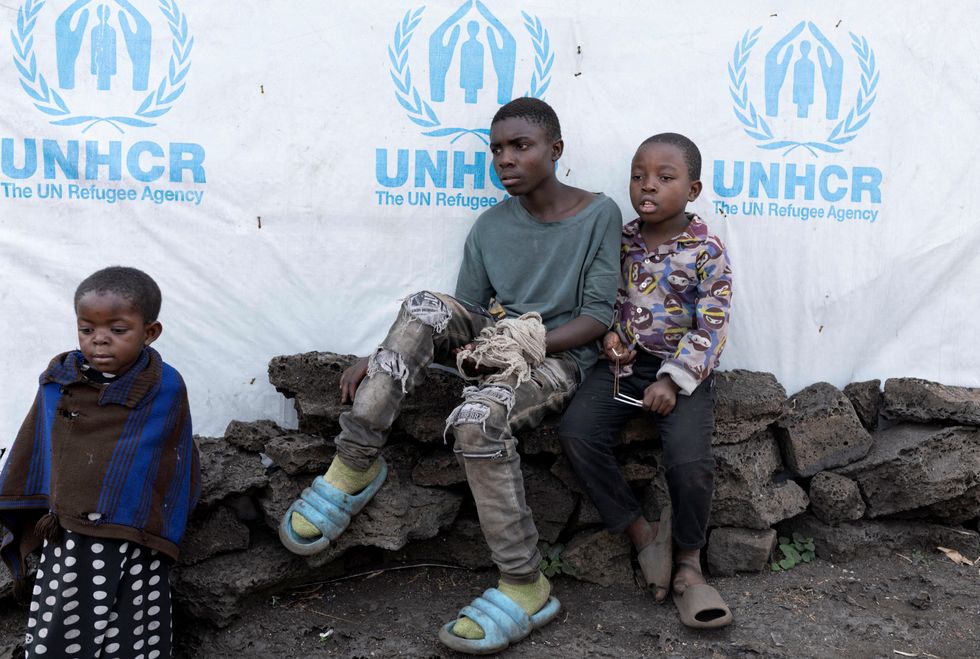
[(534, 110), (692, 155), (130, 283)]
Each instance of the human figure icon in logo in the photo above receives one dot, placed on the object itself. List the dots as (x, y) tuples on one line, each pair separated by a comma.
[(471, 63), (103, 49), (831, 71), (138, 38), (803, 80), (502, 54), (441, 51), (68, 41), (777, 64)]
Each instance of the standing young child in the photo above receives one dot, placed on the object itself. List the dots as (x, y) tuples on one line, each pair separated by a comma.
[(672, 313), (103, 474)]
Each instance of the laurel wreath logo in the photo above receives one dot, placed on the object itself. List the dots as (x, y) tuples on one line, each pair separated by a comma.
[(49, 101), (757, 128), (420, 112)]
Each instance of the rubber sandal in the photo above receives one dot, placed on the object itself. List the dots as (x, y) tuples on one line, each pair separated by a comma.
[(701, 607), (329, 510), (503, 622), (656, 559)]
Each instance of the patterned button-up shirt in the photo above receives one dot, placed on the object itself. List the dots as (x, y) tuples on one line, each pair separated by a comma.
[(674, 302)]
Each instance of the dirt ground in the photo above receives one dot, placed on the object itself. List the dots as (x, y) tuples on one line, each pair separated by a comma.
[(912, 604)]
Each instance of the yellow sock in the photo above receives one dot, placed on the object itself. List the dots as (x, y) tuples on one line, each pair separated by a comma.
[(530, 597), (344, 479)]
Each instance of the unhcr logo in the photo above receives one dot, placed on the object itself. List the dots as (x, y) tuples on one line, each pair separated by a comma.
[(97, 66), (791, 71), (801, 95), (102, 62), (471, 62)]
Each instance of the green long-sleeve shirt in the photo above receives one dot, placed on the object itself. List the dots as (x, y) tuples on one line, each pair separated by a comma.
[(561, 270)]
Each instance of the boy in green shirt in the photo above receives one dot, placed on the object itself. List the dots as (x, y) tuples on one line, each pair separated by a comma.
[(550, 249)]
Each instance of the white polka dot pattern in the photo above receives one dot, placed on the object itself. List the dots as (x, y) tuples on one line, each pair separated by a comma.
[(103, 598)]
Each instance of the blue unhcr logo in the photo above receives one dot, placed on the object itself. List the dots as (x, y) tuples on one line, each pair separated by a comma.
[(473, 64), (458, 66), (803, 84), (95, 43), (803, 110)]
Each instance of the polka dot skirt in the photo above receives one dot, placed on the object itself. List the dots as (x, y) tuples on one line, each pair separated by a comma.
[(96, 597)]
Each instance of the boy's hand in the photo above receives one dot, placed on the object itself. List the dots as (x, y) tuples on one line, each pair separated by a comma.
[(350, 378), (469, 366), (614, 349), (661, 396)]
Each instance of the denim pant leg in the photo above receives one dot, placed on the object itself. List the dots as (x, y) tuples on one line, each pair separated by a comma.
[(428, 327), (483, 426), (686, 436), (588, 432)]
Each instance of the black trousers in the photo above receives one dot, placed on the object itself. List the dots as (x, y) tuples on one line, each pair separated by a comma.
[(589, 431)]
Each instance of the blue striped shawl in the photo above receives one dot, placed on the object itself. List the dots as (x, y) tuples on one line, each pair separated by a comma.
[(142, 469)]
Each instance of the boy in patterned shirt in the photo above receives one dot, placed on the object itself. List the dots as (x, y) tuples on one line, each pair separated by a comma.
[(672, 314)]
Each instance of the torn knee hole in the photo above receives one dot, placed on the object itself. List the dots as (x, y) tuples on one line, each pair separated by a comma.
[(469, 413), (428, 309), (390, 363), (501, 394)]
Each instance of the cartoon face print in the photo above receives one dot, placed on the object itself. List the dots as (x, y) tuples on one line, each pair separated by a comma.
[(679, 281), (646, 284), (673, 335), (713, 317), (701, 340), (641, 319), (721, 290), (659, 258), (672, 305)]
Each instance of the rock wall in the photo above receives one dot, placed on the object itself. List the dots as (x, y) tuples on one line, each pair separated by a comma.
[(858, 470)]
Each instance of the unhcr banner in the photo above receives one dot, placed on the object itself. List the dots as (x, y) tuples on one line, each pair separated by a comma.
[(288, 171)]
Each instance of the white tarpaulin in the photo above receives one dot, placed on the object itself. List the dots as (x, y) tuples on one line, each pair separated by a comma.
[(288, 171)]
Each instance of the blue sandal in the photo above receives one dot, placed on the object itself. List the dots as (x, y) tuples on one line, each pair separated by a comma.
[(328, 509), (503, 622)]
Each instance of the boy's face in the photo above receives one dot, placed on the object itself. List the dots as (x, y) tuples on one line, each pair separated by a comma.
[(660, 186), (111, 332), (523, 155)]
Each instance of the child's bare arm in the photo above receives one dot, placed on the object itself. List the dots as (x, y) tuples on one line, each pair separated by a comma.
[(576, 332)]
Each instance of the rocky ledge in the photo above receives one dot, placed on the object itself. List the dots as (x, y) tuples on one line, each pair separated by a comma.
[(858, 470)]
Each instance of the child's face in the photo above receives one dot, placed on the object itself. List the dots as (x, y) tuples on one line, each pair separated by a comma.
[(660, 186), (523, 155), (111, 332)]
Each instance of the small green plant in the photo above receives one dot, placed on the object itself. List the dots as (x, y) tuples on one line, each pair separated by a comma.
[(795, 551), (552, 563)]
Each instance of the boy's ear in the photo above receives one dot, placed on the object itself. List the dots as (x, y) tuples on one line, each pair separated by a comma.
[(152, 332), (557, 149), (695, 191)]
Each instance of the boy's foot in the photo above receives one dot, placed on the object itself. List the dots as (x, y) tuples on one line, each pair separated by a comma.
[(344, 479), (688, 571), (653, 550), (700, 606), (530, 597)]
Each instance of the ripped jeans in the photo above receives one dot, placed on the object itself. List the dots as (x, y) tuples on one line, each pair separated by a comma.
[(428, 328)]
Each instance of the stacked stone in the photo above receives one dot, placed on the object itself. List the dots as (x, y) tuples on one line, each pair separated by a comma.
[(912, 479), (882, 471)]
